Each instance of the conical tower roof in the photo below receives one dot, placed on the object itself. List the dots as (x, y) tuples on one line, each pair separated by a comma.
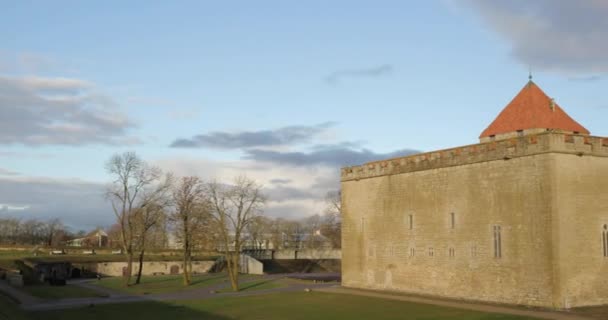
[(532, 109)]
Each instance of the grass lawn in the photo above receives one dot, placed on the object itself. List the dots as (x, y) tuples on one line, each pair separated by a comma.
[(60, 292), (8, 257), (166, 283), (295, 305), (261, 284)]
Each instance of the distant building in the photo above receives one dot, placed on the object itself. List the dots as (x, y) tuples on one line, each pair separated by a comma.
[(519, 218), (97, 238)]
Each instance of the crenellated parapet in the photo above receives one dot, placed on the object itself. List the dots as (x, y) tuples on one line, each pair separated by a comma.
[(547, 142)]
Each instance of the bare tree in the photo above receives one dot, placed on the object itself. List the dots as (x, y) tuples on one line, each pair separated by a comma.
[(257, 231), (145, 219), (135, 185), (312, 226), (233, 208), (190, 216), (332, 224), (54, 227)]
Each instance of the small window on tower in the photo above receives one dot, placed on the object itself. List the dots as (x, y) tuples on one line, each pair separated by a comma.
[(605, 240), (452, 220)]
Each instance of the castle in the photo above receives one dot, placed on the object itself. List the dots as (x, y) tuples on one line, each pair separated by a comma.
[(519, 218)]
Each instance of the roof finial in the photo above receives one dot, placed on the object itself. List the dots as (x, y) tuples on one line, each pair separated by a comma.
[(530, 73)]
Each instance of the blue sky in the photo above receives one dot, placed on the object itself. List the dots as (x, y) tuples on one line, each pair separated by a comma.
[(288, 90)]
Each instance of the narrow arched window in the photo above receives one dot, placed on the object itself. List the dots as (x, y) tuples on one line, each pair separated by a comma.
[(362, 225), (411, 221), (497, 242), (605, 240), (452, 220)]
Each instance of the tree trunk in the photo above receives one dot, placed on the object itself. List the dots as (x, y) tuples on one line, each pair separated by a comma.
[(233, 270), (129, 253), (141, 266), (186, 262)]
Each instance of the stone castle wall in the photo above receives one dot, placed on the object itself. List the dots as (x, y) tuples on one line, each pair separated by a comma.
[(115, 269), (398, 232), (580, 212), (489, 151)]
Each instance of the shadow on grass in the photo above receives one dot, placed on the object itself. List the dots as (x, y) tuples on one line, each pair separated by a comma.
[(206, 279), (251, 285), (148, 310), (255, 284)]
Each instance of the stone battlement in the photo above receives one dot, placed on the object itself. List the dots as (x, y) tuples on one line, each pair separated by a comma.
[(547, 142)]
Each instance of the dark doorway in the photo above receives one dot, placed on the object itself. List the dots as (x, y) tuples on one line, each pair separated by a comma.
[(174, 269), (124, 271), (76, 273)]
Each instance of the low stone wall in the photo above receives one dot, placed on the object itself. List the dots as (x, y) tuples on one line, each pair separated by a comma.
[(15, 280), (311, 254), (250, 265), (115, 269)]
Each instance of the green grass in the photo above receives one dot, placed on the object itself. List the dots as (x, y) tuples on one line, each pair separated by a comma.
[(8, 257), (167, 283), (300, 305), (9, 310), (60, 292), (262, 284)]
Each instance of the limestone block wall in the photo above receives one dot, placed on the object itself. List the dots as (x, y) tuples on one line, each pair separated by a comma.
[(581, 211), (115, 269), (382, 251)]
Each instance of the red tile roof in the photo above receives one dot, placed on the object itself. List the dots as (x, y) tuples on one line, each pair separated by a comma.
[(532, 109)]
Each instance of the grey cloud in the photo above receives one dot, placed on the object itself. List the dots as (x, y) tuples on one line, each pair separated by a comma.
[(287, 211), (372, 72), (77, 204), (283, 193), (280, 181), (563, 36), (252, 139), (58, 111), (5, 172), (336, 157), (328, 182)]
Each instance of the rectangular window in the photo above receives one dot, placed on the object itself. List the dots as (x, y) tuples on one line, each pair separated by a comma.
[(412, 252), (605, 240), (452, 220), (431, 253), (497, 242), (451, 252), (362, 224), (411, 221)]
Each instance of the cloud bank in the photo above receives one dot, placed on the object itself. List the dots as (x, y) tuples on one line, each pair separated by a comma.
[(58, 111), (248, 139), (562, 36)]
